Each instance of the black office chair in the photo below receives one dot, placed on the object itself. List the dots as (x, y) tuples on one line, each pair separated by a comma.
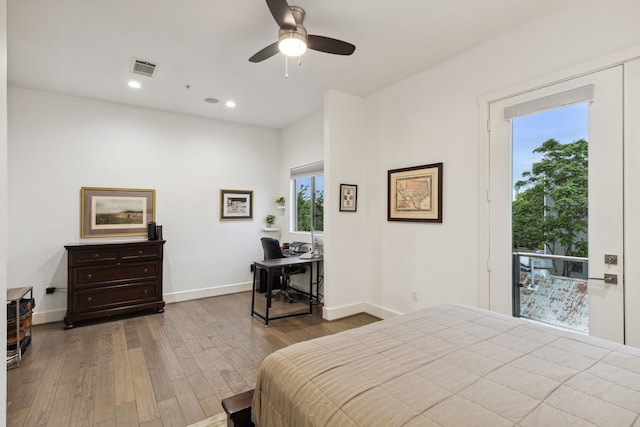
[(282, 279)]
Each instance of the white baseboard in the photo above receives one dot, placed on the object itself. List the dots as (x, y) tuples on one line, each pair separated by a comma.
[(328, 313), (40, 317), (379, 311), (207, 292), (334, 313)]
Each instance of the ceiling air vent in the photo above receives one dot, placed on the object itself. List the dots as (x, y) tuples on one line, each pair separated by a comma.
[(144, 68)]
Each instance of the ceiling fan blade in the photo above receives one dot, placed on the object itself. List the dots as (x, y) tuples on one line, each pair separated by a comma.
[(282, 14), (329, 45), (265, 53)]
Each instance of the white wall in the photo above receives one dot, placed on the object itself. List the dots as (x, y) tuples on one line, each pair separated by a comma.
[(302, 144), (350, 265), (433, 117), (3, 194), (632, 203), (58, 144)]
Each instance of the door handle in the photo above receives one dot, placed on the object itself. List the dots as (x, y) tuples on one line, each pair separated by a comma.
[(611, 279)]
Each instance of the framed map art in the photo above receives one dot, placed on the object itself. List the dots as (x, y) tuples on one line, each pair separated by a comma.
[(415, 193)]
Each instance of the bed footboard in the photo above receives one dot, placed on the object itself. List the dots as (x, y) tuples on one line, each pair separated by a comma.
[(238, 409)]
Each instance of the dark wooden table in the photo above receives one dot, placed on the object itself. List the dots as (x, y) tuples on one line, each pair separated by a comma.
[(274, 265)]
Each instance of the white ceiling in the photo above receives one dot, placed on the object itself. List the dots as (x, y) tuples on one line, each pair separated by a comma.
[(86, 47)]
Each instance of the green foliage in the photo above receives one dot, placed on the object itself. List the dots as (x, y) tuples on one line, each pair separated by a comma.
[(319, 224), (551, 208), (528, 208), (304, 209), (270, 219)]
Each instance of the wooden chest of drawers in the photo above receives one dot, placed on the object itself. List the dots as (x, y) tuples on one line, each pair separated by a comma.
[(109, 279)]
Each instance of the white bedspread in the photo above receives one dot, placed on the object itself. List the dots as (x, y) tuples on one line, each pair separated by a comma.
[(450, 365)]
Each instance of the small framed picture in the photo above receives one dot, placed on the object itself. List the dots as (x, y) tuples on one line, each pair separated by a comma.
[(109, 212), (348, 198), (415, 193), (236, 204)]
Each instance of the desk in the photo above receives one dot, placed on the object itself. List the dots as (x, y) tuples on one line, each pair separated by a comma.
[(277, 264)]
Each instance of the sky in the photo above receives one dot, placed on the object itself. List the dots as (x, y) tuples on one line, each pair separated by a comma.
[(307, 181), (566, 124)]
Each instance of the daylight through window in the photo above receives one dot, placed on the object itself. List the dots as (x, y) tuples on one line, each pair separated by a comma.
[(308, 194)]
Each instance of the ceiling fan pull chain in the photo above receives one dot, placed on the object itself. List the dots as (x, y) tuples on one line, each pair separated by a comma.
[(286, 67), (299, 61)]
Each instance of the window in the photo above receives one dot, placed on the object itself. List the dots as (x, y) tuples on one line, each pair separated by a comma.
[(308, 187)]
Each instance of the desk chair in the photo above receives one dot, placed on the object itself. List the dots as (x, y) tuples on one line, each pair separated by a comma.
[(271, 248)]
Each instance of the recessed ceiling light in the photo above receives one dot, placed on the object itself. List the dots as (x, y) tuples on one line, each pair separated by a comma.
[(230, 104), (211, 100), (134, 84)]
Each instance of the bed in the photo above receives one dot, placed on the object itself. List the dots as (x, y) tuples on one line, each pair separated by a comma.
[(450, 365)]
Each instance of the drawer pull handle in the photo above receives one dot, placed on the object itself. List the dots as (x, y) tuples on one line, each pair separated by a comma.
[(146, 270), (146, 291), (96, 255), (140, 252), (89, 299), (89, 276)]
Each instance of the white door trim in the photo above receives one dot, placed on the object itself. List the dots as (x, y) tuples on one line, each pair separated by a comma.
[(606, 232), (608, 61)]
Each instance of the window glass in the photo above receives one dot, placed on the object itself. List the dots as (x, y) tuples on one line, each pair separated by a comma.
[(309, 206)]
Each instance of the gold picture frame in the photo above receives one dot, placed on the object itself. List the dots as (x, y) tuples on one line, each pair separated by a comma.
[(111, 212), (236, 204), (415, 193)]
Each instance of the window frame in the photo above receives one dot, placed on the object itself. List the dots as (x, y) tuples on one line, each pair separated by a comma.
[(313, 204)]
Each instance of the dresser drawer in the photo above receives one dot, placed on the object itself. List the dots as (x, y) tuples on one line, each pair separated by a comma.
[(141, 252), (94, 255), (110, 297), (126, 272), (113, 278)]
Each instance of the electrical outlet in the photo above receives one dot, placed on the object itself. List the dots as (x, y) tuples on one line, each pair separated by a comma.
[(51, 290), (414, 295)]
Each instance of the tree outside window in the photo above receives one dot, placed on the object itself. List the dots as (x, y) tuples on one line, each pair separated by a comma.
[(309, 208), (550, 209)]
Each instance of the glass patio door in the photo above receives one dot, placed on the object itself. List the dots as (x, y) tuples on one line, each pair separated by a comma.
[(601, 95)]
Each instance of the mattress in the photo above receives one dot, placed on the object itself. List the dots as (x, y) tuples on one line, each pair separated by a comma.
[(450, 365)]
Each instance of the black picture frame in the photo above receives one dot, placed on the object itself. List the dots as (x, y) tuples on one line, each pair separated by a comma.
[(236, 204), (415, 193), (348, 198)]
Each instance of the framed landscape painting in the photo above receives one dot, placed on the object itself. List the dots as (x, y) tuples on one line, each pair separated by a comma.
[(109, 212), (415, 193), (236, 204)]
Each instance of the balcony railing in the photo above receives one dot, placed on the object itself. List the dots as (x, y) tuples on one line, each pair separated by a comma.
[(551, 289)]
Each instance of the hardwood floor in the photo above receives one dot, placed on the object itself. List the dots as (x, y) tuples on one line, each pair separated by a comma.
[(169, 369)]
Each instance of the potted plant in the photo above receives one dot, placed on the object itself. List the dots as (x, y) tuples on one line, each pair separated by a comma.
[(280, 201), (270, 219)]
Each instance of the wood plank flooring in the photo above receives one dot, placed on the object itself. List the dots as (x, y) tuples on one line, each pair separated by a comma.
[(169, 369)]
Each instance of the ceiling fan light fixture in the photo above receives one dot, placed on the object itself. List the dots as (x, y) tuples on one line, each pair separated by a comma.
[(292, 43), (293, 39)]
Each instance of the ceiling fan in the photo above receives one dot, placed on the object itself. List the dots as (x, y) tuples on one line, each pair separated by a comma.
[(293, 39)]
